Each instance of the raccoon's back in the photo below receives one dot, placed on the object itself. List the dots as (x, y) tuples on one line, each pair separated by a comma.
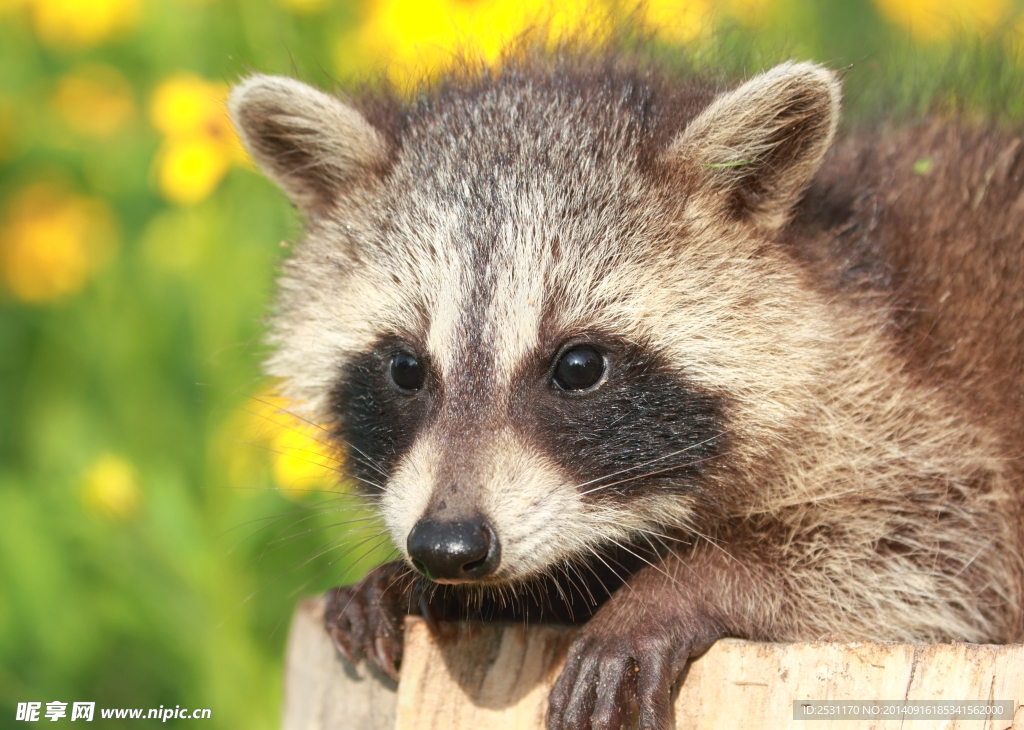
[(926, 225)]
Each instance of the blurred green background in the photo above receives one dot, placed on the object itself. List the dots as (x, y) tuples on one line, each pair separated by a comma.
[(160, 513)]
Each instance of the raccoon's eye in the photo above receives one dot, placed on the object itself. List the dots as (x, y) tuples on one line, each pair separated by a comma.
[(406, 371), (578, 369)]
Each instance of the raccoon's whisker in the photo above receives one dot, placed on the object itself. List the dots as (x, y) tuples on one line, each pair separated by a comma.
[(379, 537), (339, 495), (585, 587), (336, 470), (397, 575), (566, 599), (359, 460), (313, 455), (275, 520), (391, 556), (327, 567), (480, 597), (648, 463), (429, 589), (367, 482), (328, 491), (689, 527), (334, 562), (288, 427), (501, 597), (533, 587), (553, 578), (518, 602), (600, 582), (649, 474), (268, 550), (661, 536), (327, 507), (331, 496), (278, 409), (713, 543), (383, 538), (368, 461), (650, 543), (629, 571), (322, 528), (317, 513), (465, 600), (641, 558), (474, 601), (276, 576), (271, 520)]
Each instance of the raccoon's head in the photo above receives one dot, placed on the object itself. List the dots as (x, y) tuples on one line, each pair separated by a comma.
[(540, 306)]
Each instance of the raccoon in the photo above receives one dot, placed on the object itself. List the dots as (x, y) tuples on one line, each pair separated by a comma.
[(617, 345)]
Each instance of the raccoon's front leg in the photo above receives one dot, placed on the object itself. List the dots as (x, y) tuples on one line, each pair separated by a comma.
[(623, 664), (366, 619)]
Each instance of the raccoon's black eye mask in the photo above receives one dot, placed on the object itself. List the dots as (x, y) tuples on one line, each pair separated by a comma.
[(597, 405)]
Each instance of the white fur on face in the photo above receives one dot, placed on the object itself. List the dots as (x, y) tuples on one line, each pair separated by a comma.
[(540, 519)]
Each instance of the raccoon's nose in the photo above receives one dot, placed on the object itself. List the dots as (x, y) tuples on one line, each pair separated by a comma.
[(454, 552)]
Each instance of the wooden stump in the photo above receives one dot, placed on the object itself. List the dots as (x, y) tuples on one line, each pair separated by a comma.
[(496, 677), (322, 690)]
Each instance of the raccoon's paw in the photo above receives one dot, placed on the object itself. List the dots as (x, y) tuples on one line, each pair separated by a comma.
[(365, 620), (620, 671)]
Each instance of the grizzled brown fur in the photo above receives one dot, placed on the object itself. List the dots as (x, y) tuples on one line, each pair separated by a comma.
[(943, 245), (808, 416)]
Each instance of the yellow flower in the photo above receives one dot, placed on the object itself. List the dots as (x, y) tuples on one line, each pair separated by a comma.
[(190, 169), (81, 23), (408, 33), (52, 242), (415, 37), (111, 488), (302, 461), (95, 100), (302, 458), (933, 20), (680, 20), (187, 104), (199, 142)]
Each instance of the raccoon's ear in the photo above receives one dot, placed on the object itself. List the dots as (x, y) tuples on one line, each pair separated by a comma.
[(310, 143), (755, 149)]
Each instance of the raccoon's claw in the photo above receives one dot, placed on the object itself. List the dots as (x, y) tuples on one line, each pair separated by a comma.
[(620, 671), (610, 684), (365, 620)]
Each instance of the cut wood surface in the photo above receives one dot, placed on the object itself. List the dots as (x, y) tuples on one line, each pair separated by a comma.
[(497, 677), (322, 690)]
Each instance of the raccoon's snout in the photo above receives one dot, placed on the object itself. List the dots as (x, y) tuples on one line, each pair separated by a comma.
[(454, 552)]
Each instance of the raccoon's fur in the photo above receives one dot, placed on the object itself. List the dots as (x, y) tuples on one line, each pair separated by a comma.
[(810, 358)]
